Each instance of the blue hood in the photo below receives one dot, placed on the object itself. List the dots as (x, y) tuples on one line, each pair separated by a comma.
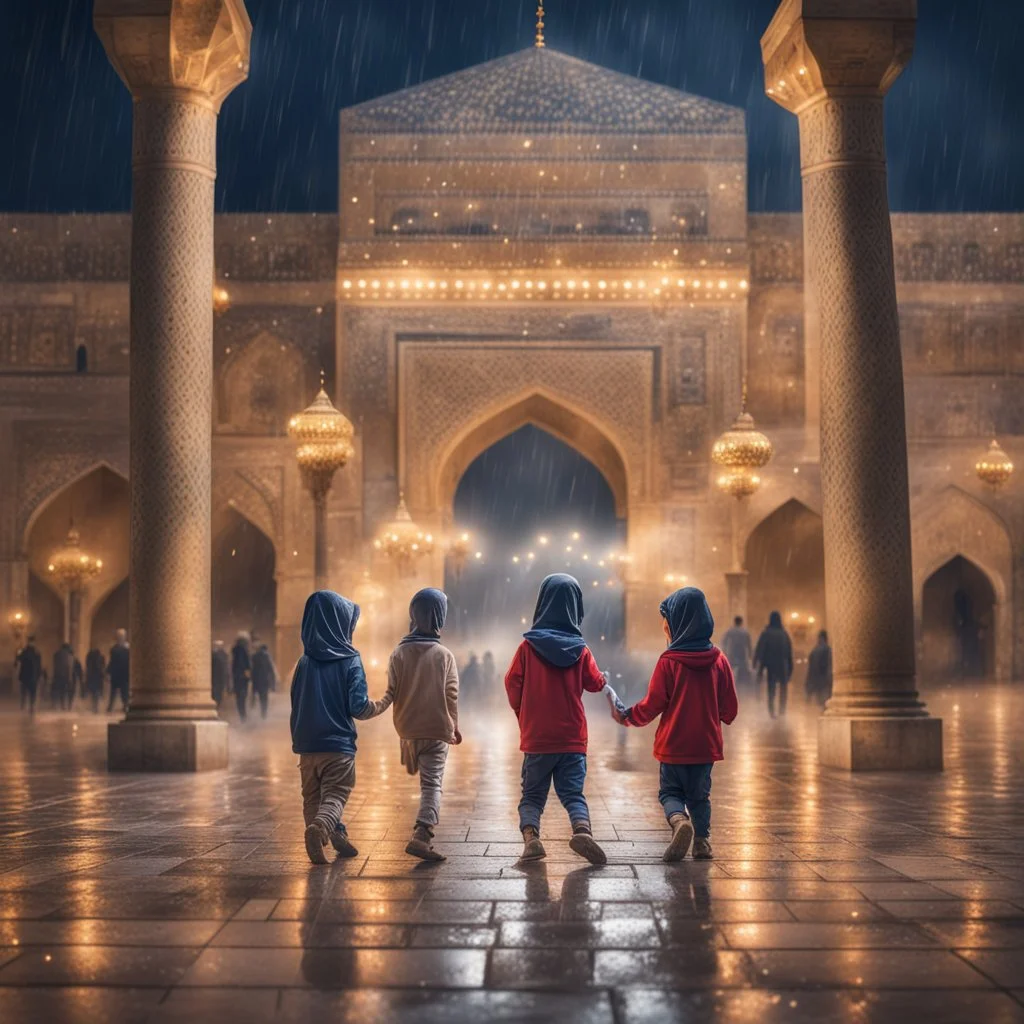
[(689, 619), (327, 624), (427, 611), (556, 634)]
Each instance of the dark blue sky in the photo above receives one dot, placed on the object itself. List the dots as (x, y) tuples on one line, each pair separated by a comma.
[(954, 118)]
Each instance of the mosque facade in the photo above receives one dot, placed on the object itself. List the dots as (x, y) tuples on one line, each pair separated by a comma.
[(532, 240)]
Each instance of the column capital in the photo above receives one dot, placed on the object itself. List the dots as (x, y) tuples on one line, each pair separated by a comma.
[(197, 46), (817, 48)]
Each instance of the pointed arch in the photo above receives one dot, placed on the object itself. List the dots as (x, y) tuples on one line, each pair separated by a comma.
[(539, 408), (259, 386)]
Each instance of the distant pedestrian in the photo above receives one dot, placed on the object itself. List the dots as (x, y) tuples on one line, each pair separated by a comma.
[(819, 671), (738, 648), (241, 672), (488, 673), (773, 656), (220, 673), (63, 674), (95, 668), (117, 670), (470, 676), (30, 669), (264, 676)]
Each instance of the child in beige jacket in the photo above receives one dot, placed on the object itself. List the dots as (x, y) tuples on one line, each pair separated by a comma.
[(423, 685)]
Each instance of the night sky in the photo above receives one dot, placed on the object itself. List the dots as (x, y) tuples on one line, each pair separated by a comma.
[(954, 117)]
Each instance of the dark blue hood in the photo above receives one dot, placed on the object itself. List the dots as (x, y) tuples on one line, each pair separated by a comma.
[(689, 620), (556, 634), (427, 611), (327, 624)]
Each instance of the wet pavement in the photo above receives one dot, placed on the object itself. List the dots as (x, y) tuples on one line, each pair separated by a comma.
[(831, 897)]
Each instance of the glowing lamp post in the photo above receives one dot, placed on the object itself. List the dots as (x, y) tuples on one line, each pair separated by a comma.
[(71, 568), (324, 439), (740, 452), (994, 467), (402, 541)]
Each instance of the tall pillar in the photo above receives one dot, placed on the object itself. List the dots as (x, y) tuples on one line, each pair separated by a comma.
[(180, 59), (831, 62)]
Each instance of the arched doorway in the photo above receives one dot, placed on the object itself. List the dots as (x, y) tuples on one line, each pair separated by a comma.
[(785, 560), (535, 505), (97, 502), (958, 634), (244, 589)]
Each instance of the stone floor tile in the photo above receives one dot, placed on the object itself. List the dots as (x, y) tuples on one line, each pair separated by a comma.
[(620, 933), (199, 1005), (899, 891), (838, 911), (864, 968), (452, 936), (539, 968), (723, 910), (130, 966), (91, 1004), (936, 910), (1004, 966), (926, 868), (255, 910), (802, 935), (300, 934), (983, 889), (88, 932), (707, 968), (552, 910)]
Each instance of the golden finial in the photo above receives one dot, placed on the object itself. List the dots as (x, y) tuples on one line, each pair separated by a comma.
[(539, 43)]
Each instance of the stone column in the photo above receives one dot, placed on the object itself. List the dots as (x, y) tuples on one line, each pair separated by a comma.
[(180, 59), (831, 63)]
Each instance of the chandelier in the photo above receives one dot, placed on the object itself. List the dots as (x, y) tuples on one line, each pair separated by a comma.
[(324, 437), (402, 541), (994, 467), (70, 566), (740, 452)]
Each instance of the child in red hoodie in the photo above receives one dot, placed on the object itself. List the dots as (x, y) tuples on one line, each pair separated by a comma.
[(545, 682), (692, 688)]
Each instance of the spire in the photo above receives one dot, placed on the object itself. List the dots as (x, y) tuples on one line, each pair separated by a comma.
[(539, 42)]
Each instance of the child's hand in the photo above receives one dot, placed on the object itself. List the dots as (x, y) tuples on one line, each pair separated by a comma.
[(458, 737)]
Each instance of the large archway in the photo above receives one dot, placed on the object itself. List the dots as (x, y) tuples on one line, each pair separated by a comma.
[(535, 505), (97, 502), (958, 622), (785, 559), (244, 588)]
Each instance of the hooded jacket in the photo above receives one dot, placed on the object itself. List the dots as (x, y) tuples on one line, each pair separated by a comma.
[(694, 693), (329, 685), (556, 634)]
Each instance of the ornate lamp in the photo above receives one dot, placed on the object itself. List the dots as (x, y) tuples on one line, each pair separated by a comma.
[(18, 621), (71, 568), (221, 299), (458, 548), (402, 541), (324, 438), (994, 467)]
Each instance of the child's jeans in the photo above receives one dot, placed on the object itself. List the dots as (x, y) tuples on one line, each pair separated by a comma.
[(568, 772), (427, 757), (327, 781), (688, 786)]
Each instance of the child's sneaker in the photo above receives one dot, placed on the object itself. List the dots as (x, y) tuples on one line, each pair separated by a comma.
[(421, 844), (682, 835), (316, 839), (702, 849), (533, 848), (585, 845), (341, 844)]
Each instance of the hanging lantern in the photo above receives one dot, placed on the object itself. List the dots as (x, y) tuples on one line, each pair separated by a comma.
[(72, 567), (994, 467), (324, 437), (741, 451), (402, 541)]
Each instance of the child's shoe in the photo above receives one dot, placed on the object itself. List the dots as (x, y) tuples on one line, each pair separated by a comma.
[(585, 845), (316, 839), (682, 835), (341, 844), (702, 849), (421, 844), (533, 848)]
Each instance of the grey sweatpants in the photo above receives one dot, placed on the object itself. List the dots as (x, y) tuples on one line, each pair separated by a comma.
[(427, 757), (327, 781)]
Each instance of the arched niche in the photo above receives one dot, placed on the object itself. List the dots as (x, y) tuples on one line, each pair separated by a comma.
[(958, 622), (260, 386), (785, 562)]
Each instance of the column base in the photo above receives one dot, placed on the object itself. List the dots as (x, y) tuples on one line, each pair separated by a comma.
[(880, 744), (153, 745)]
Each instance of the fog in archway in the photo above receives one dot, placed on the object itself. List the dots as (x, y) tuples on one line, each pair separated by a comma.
[(533, 505)]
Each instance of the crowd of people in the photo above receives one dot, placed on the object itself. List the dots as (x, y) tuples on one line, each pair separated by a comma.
[(67, 679), (248, 672), (772, 659)]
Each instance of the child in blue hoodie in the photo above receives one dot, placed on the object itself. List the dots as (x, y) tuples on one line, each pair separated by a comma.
[(328, 692)]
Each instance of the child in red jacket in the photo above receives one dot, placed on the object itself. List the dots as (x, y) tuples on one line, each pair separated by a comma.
[(545, 682), (692, 688)]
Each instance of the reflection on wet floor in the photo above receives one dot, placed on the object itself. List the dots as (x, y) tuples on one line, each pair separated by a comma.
[(831, 896)]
